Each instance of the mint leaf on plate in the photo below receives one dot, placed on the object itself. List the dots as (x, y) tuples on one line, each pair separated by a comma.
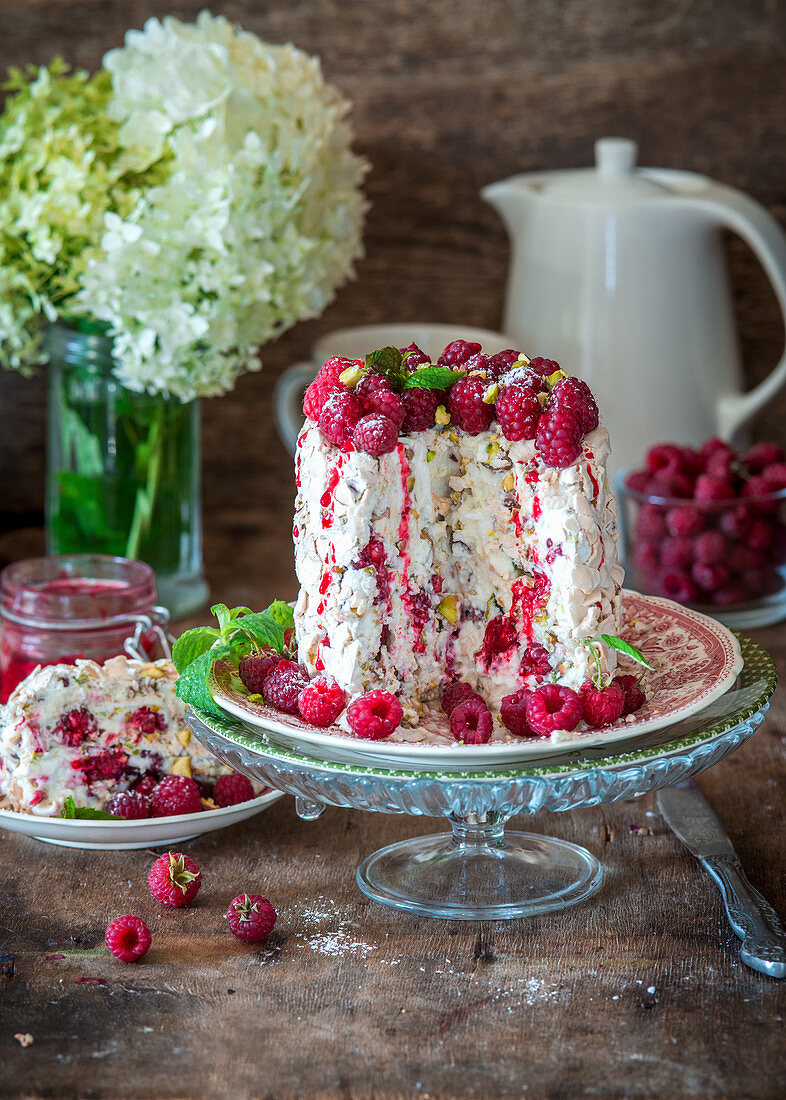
[(433, 378), (70, 810), (262, 629), (282, 612), (191, 685), (613, 642), (192, 644)]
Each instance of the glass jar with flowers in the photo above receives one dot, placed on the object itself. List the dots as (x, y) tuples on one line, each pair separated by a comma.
[(159, 221)]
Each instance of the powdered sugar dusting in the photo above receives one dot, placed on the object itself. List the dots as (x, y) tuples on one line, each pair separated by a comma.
[(340, 941)]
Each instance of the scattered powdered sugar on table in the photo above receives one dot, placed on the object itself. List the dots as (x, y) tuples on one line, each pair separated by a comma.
[(338, 944), (340, 940)]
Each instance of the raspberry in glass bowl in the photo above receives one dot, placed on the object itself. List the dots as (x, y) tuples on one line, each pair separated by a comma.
[(707, 528)]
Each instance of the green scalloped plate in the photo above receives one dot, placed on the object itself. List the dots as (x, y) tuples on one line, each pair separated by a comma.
[(751, 692)]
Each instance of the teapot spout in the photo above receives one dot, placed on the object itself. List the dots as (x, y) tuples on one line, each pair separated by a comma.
[(508, 197)]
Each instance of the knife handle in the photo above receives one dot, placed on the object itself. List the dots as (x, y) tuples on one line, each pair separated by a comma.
[(751, 916)]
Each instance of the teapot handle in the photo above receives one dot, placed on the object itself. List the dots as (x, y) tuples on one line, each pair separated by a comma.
[(288, 401), (767, 240)]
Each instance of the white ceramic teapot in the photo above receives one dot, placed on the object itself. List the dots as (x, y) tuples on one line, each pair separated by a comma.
[(619, 273)]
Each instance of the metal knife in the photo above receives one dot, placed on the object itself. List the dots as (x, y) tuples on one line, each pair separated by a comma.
[(689, 815)]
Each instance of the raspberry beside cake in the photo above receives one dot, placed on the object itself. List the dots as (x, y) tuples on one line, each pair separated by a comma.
[(471, 539), (90, 731)]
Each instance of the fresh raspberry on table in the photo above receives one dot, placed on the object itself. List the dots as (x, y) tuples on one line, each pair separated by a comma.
[(471, 722), (558, 438), (574, 393), (676, 584), (710, 547), (174, 880), (338, 417), (454, 694), (761, 455), (651, 522), (513, 712), (132, 805), (710, 577), (128, 938), (146, 785), (468, 410), (251, 917), (545, 367), (602, 706), (370, 384), (389, 404), (283, 686), (677, 551), (326, 383), (375, 715), (420, 407), (321, 702), (685, 521), (231, 790), (413, 357), (631, 689), (518, 412), (145, 720), (457, 353), (551, 707), (501, 362), (175, 794), (710, 488), (254, 669), (76, 726), (375, 434), (775, 476)]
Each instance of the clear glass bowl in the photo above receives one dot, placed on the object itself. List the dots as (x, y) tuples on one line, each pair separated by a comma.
[(480, 871), (724, 558)]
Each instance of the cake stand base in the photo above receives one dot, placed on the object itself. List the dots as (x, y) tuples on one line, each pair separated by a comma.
[(480, 872)]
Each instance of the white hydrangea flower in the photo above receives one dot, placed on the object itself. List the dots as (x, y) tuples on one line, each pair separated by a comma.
[(257, 222)]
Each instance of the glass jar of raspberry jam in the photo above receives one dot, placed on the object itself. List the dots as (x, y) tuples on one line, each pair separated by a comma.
[(62, 607)]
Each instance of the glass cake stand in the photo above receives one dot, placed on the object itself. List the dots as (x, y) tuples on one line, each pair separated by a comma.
[(479, 871)]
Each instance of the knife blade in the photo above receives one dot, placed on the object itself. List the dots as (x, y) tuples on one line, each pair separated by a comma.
[(691, 818)]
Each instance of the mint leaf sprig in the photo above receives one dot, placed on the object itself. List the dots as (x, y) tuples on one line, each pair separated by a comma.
[(611, 641), (70, 810), (240, 631), (390, 362)]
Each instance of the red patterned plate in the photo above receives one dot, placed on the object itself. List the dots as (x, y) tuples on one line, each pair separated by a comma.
[(697, 659)]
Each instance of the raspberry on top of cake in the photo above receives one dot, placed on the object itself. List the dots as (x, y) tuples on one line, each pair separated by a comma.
[(89, 731), (453, 523)]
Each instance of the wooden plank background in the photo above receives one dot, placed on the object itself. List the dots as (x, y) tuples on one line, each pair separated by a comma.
[(450, 95)]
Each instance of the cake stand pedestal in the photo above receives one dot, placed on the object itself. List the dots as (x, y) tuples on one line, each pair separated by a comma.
[(480, 871)]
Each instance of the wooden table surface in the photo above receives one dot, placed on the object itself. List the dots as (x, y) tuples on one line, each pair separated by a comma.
[(637, 993)]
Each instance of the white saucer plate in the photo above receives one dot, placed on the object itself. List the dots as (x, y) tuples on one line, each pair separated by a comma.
[(697, 660), (149, 832)]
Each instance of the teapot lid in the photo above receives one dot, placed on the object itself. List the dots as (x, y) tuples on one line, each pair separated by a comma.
[(613, 178)]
